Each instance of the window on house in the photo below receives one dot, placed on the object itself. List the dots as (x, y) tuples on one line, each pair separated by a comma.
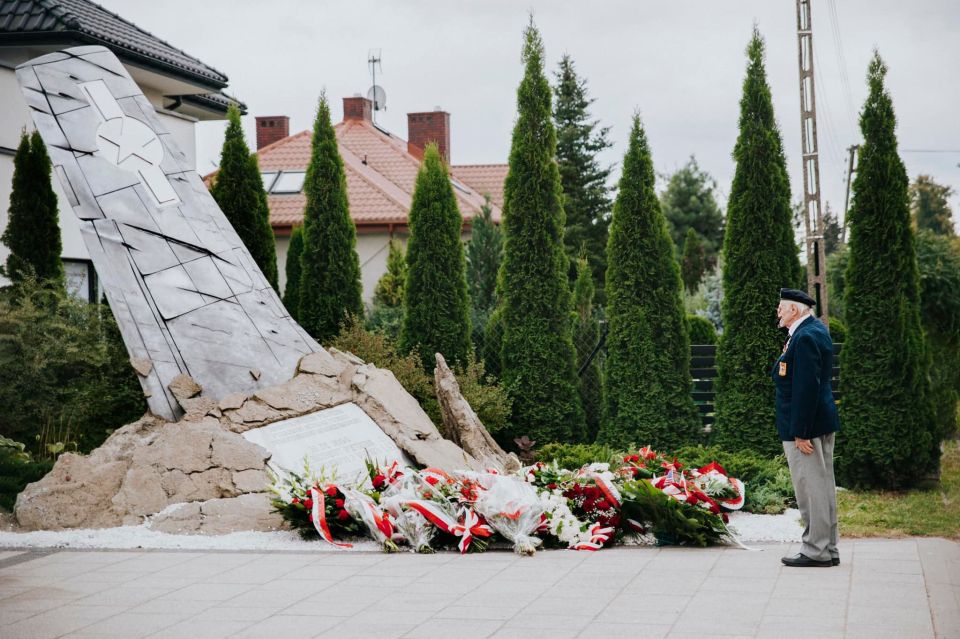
[(268, 179), (289, 182)]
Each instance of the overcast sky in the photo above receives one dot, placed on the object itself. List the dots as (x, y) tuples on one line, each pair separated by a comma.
[(679, 62)]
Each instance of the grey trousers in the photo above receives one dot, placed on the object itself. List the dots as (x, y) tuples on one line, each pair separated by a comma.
[(816, 491)]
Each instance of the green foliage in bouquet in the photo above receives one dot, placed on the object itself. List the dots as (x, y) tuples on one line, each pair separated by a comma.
[(293, 501), (670, 521)]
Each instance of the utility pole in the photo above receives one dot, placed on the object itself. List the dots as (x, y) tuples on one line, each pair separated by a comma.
[(852, 149), (812, 214)]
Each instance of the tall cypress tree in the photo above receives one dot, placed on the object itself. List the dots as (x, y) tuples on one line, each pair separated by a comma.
[(484, 254), (586, 196), (238, 190), (436, 317), (760, 256), (586, 334), (33, 230), (537, 355), (330, 285), (887, 423), (647, 396), (294, 270), (693, 261)]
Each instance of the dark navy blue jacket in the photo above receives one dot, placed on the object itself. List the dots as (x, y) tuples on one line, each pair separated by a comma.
[(805, 406)]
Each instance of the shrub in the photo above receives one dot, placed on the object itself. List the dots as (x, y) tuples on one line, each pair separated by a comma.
[(574, 456), (838, 330), (701, 330), (65, 375), (17, 469)]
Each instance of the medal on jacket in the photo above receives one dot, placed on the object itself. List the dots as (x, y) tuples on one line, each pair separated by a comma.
[(783, 369)]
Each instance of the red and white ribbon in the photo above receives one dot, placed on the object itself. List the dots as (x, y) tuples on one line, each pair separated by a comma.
[(599, 535), (608, 489), (433, 513), (468, 528), (319, 516)]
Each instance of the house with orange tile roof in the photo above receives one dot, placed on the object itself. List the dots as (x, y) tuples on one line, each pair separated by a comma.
[(381, 169)]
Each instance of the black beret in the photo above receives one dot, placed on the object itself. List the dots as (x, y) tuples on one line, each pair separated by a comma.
[(795, 295)]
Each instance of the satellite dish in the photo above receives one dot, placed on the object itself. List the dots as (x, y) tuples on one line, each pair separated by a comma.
[(378, 96)]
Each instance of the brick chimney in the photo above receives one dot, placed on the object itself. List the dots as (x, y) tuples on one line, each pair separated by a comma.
[(357, 108), (426, 127), (271, 128)]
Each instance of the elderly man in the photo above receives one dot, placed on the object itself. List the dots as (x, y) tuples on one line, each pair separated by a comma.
[(806, 422)]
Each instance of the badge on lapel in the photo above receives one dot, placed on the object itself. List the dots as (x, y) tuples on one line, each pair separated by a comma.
[(783, 369)]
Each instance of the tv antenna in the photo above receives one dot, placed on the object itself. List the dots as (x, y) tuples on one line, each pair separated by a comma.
[(376, 94)]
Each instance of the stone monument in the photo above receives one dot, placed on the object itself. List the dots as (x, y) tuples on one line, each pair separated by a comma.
[(217, 354)]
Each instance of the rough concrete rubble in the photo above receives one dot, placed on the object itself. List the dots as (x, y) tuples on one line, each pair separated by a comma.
[(199, 475)]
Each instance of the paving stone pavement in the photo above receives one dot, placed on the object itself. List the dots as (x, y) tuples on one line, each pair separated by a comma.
[(883, 588)]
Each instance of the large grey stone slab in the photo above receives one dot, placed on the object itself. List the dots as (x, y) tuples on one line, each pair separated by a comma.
[(186, 293)]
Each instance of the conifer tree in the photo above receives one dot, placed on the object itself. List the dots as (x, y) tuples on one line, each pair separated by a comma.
[(330, 285), (436, 317), (238, 190), (33, 230), (585, 337), (586, 196), (647, 395), (693, 262), (688, 203), (887, 423), (760, 257), (386, 316), (291, 293), (484, 254), (537, 355), (930, 206)]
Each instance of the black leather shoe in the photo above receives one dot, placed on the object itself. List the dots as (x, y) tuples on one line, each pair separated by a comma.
[(835, 561), (802, 561)]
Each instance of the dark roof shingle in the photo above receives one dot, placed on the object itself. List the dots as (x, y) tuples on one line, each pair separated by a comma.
[(90, 23)]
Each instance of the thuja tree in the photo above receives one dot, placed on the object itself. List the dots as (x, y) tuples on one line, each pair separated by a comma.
[(887, 437), (436, 312), (330, 285), (238, 190), (693, 261), (586, 196), (688, 203), (386, 315), (537, 354), (760, 256), (484, 253), (647, 394), (586, 334), (291, 292), (33, 231), (930, 204)]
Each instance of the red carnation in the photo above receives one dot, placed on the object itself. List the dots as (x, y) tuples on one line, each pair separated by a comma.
[(432, 480), (295, 500), (343, 515), (378, 481), (339, 503), (725, 518), (308, 503), (331, 491), (427, 495), (603, 504), (310, 516), (552, 486)]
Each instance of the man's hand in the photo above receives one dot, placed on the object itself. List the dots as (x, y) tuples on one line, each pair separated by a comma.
[(803, 445)]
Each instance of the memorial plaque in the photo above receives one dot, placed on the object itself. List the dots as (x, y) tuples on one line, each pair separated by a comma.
[(339, 438)]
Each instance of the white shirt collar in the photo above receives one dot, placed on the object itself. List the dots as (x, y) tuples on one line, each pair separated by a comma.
[(796, 325)]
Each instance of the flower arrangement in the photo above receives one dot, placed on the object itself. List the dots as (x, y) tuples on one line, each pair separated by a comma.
[(588, 508)]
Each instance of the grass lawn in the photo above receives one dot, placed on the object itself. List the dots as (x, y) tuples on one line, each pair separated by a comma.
[(927, 513)]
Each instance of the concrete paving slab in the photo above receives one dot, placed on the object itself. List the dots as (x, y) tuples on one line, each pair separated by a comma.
[(883, 588)]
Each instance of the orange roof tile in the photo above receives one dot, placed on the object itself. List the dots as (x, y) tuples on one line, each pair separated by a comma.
[(486, 179), (380, 176)]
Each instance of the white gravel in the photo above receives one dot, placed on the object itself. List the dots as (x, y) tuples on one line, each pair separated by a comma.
[(747, 526)]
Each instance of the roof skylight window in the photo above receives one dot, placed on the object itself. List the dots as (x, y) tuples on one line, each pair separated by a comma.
[(289, 182)]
